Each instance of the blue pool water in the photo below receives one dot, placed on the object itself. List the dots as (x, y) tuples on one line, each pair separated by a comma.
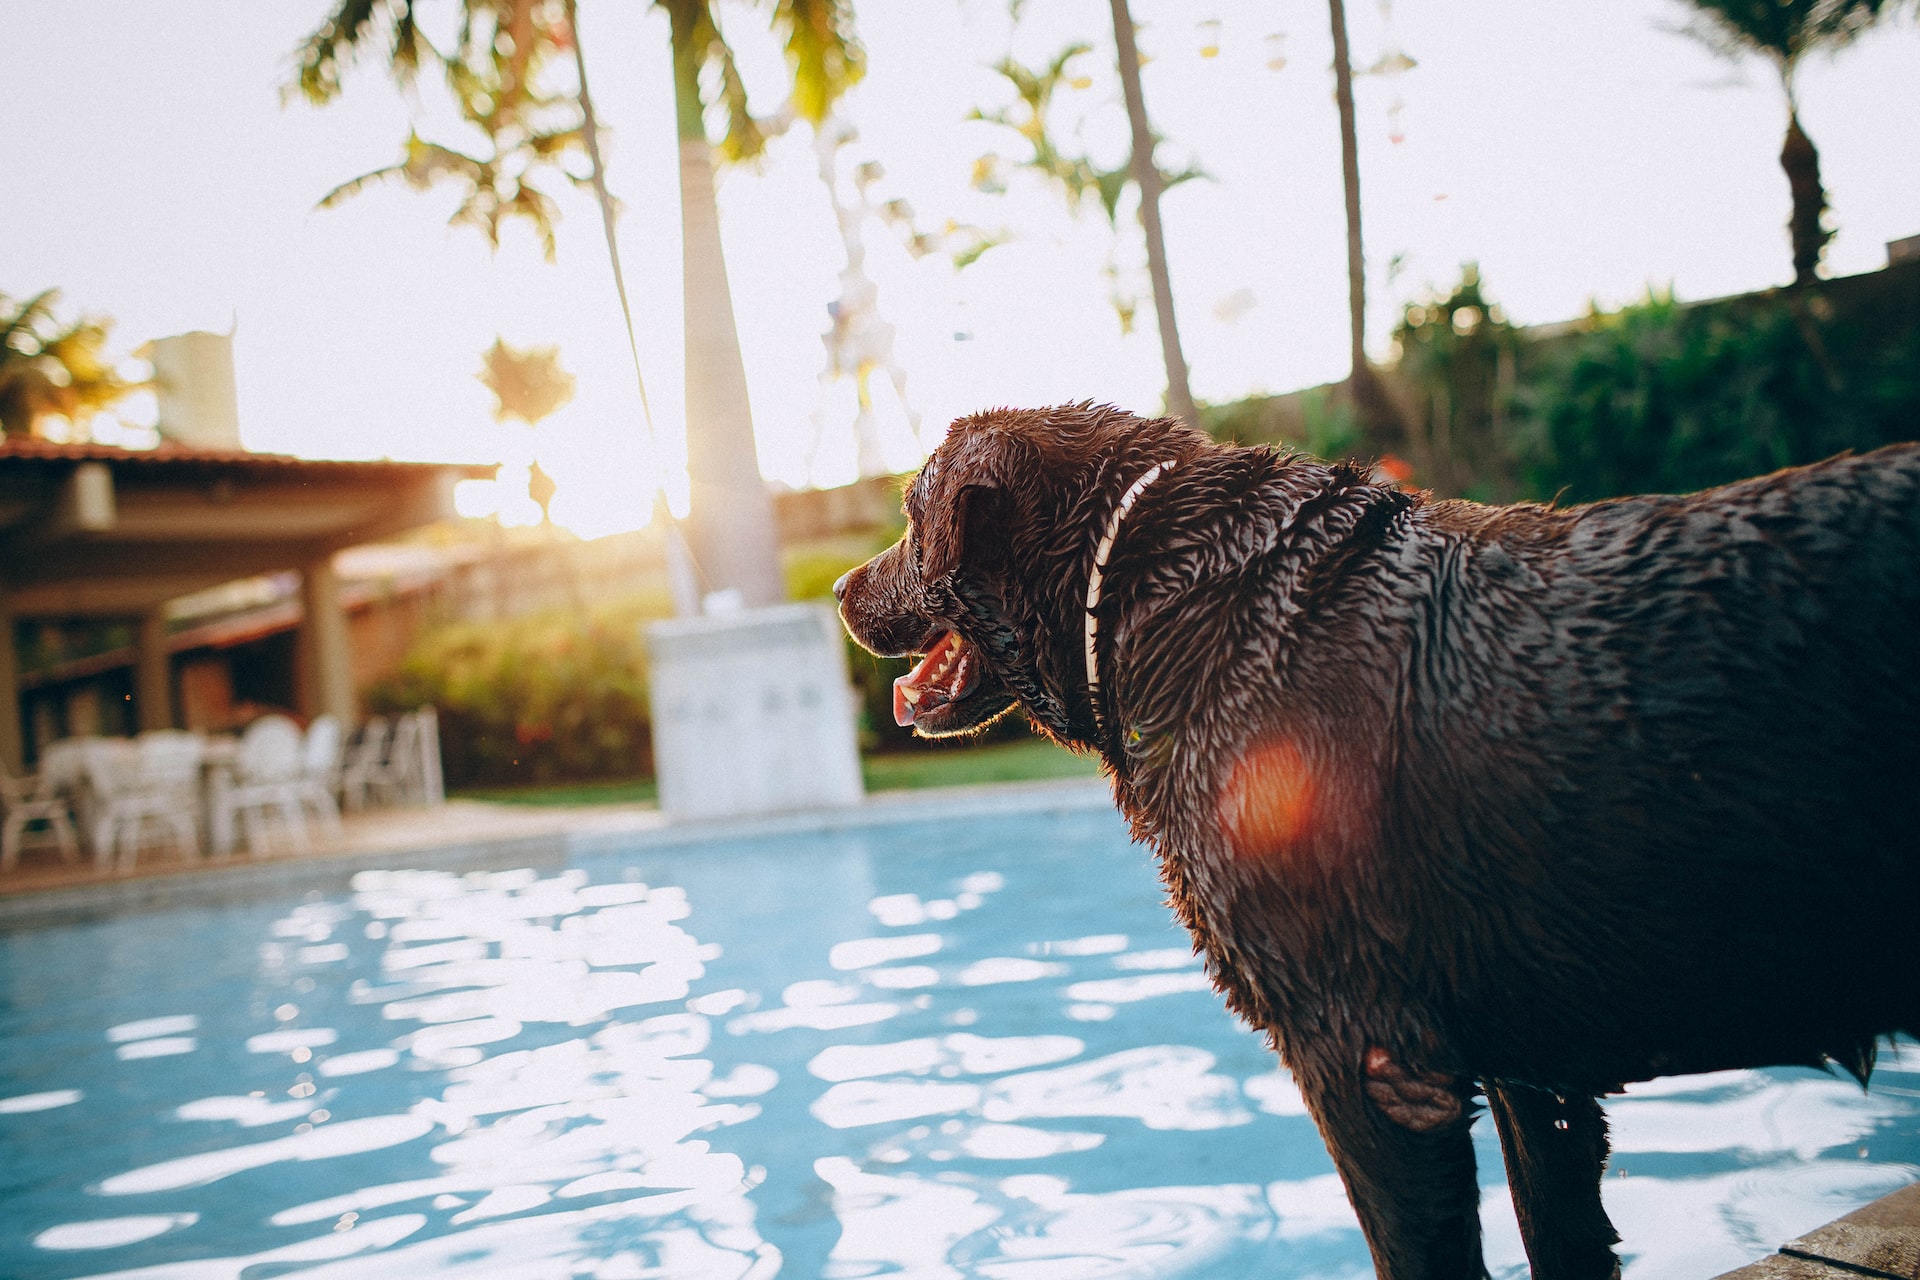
[(934, 1050)]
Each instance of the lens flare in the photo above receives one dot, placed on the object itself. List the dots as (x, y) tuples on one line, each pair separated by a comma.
[(1268, 806)]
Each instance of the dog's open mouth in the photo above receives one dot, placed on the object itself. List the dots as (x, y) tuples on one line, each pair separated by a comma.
[(948, 673)]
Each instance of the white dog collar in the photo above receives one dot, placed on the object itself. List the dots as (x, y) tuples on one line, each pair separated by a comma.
[(1100, 555)]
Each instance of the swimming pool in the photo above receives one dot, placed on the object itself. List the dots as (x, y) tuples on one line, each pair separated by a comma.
[(933, 1049)]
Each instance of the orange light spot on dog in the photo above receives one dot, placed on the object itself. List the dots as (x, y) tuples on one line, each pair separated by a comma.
[(1268, 803)]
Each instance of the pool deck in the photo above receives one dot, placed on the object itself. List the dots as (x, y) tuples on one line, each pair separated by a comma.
[(469, 832), (1880, 1241), (397, 831)]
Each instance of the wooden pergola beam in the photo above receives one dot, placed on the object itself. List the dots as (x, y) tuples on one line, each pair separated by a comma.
[(89, 531), (12, 754)]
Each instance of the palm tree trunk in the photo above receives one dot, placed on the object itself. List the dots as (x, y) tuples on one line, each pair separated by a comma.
[(730, 524), (1379, 423), (1802, 165), (1147, 175), (683, 584)]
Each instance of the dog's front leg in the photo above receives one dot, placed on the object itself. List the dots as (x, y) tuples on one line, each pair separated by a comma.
[(1399, 1138), (1555, 1153)]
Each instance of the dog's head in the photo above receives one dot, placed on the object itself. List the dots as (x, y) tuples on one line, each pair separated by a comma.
[(989, 582)]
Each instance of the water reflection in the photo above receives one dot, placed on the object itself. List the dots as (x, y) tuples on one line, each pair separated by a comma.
[(112, 1233), (539, 1142), (1744, 1110), (1734, 1163), (350, 1137), (978, 1053), (1033, 1225), (21, 1104), (865, 953)]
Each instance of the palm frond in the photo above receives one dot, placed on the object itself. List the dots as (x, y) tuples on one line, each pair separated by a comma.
[(554, 145), (421, 165), (1782, 30), (1193, 172), (408, 44), (972, 243), (47, 367), (536, 207), (1110, 184), (354, 186), (324, 55), (1029, 116), (742, 137), (824, 56), (480, 209), (26, 320)]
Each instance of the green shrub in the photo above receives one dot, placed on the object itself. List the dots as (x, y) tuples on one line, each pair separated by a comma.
[(1319, 421), (544, 698), (1660, 398), (1458, 355), (561, 695)]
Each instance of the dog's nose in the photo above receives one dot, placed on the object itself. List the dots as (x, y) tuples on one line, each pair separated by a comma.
[(840, 585)]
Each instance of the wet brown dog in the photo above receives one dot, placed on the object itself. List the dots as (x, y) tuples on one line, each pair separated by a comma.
[(1458, 799)]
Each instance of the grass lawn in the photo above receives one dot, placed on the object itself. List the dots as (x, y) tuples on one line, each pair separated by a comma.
[(1028, 761), (610, 791)]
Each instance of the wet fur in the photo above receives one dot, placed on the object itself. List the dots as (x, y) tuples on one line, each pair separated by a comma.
[(1465, 801)]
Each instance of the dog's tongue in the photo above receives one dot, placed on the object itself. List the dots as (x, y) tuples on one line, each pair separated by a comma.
[(943, 676)]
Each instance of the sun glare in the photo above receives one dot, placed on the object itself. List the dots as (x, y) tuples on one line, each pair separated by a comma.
[(1268, 806)]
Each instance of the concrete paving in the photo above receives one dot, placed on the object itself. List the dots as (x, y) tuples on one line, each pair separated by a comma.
[(471, 832), (390, 831), (1880, 1240)]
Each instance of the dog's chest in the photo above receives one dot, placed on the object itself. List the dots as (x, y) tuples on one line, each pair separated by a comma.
[(1268, 854)]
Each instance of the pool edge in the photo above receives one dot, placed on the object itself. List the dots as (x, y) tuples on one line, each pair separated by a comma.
[(582, 833), (1880, 1239)]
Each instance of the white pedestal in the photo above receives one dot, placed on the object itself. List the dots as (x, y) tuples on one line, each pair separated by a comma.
[(753, 713)]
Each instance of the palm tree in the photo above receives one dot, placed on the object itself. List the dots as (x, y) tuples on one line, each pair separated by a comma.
[(48, 369), (1147, 176), (492, 73), (527, 383), (1078, 177), (1784, 32), (731, 528), (1372, 407), (1034, 89)]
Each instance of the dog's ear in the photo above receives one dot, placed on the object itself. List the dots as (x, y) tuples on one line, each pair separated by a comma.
[(967, 525), (967, 485)]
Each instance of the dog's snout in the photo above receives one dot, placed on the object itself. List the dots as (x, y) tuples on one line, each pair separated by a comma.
[(840, 584)]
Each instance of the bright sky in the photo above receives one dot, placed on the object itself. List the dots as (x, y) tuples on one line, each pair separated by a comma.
[(1576, 150)]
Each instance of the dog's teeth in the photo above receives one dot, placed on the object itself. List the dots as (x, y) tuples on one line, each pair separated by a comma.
[(911, 695)]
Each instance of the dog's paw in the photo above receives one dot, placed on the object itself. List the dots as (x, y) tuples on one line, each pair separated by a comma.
[(1422, 1101)]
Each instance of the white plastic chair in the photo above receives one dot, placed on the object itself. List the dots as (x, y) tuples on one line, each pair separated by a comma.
[(265, 783), (395, 762), (364, 760), (433, 782), (154, 780), (63, 770), (26, 801), (397, 779), (320, 771)]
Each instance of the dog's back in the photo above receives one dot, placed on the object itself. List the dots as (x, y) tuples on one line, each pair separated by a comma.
[(1684, 730)]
